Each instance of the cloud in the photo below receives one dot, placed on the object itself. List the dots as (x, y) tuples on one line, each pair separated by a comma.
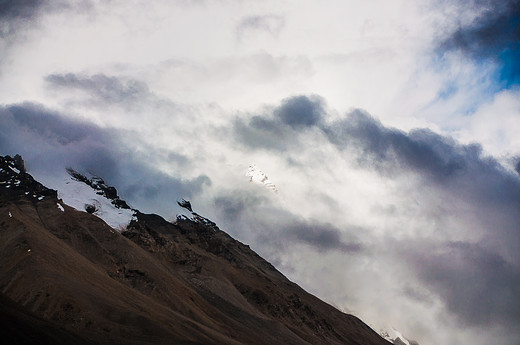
[(461, 170), (260, 132), (45, 137), (49, 124), (50, 142), (233, 204), (101, 87), (322, 237), (420, 150), (300, 111), (476, 280), (19, 8), (269, 23), (439, 159), (14, 13), (117, 101), (278, 128), (478, 286), (475, 246), (18, 14), (461, 173), (274, 228)]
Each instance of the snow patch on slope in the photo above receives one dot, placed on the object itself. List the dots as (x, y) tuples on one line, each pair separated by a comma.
[(79, 195), (14, 169)]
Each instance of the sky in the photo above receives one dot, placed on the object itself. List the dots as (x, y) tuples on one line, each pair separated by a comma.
[(389, 129)]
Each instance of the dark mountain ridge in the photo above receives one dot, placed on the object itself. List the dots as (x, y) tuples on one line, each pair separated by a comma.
[(70, 276)]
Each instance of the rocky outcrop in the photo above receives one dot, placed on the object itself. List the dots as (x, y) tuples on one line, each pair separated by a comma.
[(185, 204), (15, 182)]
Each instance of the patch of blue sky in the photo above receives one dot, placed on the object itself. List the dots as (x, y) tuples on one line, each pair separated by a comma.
[(508, 73), (447, 90)]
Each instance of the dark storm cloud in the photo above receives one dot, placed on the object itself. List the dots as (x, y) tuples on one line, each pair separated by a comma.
[(421, 149), (101, 87), (50, 142), (495, 34), (517, 166), (279, 130), (321, 236), (15, 13), (462, 169), (478, 286), (43, 135), (460, 173), (19, 14), (270, 23), (300, 111), (12, 9), (440, 160), (50, 125)]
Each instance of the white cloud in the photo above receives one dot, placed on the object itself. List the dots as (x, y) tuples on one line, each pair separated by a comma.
[(495, 124), (172, 79)]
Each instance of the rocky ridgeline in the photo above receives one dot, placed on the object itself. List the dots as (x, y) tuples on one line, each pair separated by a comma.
[(109, 192), (195, 217), (15, 182)]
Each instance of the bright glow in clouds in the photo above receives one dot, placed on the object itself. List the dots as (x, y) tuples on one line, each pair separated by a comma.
[(386, 127)]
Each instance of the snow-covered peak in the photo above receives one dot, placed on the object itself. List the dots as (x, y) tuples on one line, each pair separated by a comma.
[(85, 195), (258, 176), (395, 337)]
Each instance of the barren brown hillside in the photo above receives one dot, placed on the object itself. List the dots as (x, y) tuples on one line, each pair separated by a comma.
[(71, 277)]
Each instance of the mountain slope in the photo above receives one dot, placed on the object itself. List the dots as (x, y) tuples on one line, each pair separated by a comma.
[(156, 282), (19, 326)]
